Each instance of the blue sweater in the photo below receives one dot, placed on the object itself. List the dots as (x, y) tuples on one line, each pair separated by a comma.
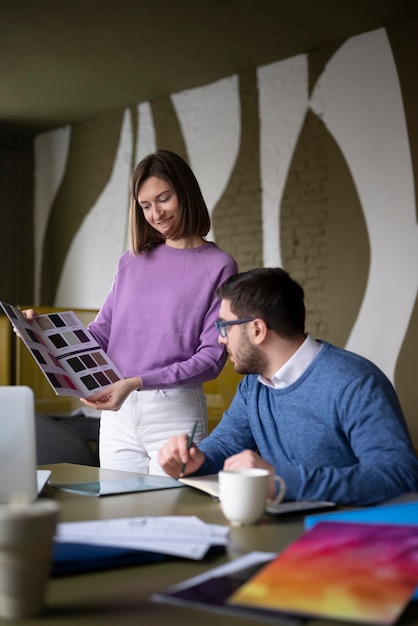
[(338, 433)]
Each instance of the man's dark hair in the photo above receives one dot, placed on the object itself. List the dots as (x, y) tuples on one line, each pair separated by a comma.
[(269, 294)]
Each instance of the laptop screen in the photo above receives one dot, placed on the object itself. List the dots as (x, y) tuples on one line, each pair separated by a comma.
[(18, 477)]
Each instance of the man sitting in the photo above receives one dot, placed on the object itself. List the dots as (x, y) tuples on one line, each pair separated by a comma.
[(326, 420)]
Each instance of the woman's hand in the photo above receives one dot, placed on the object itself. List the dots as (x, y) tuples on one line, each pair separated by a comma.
[(112, 398), (28, 314)]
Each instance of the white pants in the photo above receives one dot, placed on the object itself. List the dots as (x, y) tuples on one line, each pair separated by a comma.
[(131, 437)]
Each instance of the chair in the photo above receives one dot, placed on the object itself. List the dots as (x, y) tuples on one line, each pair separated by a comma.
[(58, 443), (220, 392)]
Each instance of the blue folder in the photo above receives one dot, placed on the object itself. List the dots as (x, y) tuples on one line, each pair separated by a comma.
[(77, 558), (404, 513)]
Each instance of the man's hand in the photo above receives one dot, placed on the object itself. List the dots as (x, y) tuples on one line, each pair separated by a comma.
[(174, 454), (248, 458), (112, 398)]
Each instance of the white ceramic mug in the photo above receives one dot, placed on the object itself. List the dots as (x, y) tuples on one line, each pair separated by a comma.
[(26, 533), (243, 494)]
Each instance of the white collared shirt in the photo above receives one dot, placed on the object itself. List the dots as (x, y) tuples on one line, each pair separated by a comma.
[(295, 366)]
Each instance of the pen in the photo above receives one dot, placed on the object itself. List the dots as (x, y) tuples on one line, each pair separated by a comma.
[(189, 445)]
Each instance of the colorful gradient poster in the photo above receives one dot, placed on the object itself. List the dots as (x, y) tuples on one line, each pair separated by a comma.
[(355, 572)]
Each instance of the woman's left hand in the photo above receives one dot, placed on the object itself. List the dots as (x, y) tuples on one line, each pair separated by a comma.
[(112, 398)]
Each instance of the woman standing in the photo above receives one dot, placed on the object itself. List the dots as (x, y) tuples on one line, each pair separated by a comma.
[(157, 322)]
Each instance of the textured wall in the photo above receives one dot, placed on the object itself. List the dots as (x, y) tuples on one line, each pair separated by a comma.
[(309, 163)]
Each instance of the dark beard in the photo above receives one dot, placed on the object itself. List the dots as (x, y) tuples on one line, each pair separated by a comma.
[(249, 359)]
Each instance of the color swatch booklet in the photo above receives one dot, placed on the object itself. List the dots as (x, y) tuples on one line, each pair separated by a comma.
[(66, 352)]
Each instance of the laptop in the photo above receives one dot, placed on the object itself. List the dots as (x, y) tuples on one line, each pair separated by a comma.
[(18, 472)]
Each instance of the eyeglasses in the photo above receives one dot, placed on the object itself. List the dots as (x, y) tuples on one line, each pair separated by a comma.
[(221, 326)]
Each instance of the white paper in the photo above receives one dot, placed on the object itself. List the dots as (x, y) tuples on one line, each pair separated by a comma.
[(185, 536), (42, 477)]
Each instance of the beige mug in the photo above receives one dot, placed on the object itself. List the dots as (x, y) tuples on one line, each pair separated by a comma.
[(26, 534), (243, 494)]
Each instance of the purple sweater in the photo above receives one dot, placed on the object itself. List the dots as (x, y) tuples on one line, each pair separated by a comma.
[(157, 321)]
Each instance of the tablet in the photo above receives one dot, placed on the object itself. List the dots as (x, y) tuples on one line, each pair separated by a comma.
[(121, 485)]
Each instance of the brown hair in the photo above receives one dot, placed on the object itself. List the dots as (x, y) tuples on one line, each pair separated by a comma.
[(193, 216)]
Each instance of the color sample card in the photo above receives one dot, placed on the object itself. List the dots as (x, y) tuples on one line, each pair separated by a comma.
[(365, 573), (66, 352)]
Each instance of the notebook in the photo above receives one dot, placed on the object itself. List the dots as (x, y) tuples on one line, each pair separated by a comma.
[(18, 472), (355, 572)]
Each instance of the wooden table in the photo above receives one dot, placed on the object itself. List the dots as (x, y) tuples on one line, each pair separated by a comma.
[(121, 597)]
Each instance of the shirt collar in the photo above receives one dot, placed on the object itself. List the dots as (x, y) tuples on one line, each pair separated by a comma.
[(295, 366)]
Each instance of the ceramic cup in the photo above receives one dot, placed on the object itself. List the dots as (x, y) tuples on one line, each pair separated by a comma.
[(243, 494), (26, 533)]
